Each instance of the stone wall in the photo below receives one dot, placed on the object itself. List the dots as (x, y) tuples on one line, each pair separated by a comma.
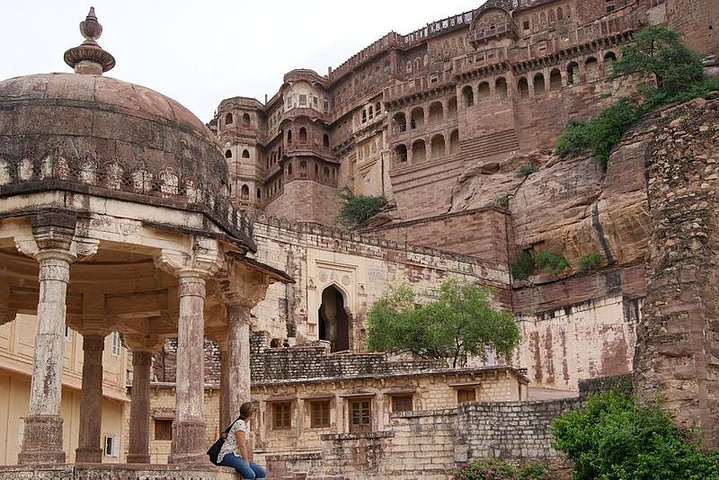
[(677, 354), (360, 267), (481, 233), (432, 444)]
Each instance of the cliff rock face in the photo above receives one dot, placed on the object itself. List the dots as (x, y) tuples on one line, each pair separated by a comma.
[(677, 354), (570, 206)]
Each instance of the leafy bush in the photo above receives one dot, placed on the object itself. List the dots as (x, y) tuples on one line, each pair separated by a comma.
[(356, 209), (499, 470), (601, 133), (526, 170), (551, 262), (658, 56), (613, 439), (591, 261), (522, 266)]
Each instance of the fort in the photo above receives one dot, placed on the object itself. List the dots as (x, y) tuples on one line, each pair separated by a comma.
[(153, 260)]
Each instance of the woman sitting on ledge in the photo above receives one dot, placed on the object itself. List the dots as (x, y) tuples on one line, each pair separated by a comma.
[(236, 452)]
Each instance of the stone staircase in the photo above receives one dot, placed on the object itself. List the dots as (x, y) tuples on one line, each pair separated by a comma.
[(489, 145)]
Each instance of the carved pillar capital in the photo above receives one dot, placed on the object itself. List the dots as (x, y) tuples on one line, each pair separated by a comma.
[(243, 286), (204, 259)]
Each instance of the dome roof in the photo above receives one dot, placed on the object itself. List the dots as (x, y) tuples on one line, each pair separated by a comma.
[(89, 133)]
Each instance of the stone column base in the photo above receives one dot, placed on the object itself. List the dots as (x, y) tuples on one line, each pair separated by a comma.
[(88, 455), (189, 443), (42, 440), (138, 458)]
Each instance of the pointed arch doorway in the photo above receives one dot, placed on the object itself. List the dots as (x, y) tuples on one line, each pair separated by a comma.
[(334, 324)]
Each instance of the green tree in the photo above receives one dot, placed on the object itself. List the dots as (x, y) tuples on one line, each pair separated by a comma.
[(356, 209), (460, 322), (657, 51)]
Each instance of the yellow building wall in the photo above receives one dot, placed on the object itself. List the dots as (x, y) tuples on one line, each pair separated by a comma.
[(17, 340)]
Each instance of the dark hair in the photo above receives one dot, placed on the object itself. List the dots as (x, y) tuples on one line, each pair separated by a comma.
[(246, 410)]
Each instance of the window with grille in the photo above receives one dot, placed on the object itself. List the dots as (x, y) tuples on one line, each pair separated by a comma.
[(281, 415), (402, 403), (320, 414), (163, 429), (112, 446), (361, 415), (115, 344), (465, 395)]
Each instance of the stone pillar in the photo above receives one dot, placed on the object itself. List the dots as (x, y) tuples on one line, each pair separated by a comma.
[(224, 386), (42, 438), (238, 353), (139, 448), (89, 450), (188, 436)]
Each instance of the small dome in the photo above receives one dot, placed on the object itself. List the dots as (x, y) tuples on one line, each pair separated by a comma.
[(93, 134)]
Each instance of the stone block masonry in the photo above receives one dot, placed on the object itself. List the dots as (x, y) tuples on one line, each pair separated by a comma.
[(677, 355)]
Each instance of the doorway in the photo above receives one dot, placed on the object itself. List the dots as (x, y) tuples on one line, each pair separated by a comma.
[(333, 320)]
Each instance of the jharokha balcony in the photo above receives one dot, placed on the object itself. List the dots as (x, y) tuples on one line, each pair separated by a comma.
[(481, 35)]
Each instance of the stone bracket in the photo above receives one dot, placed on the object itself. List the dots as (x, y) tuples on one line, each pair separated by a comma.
[(203, 259)]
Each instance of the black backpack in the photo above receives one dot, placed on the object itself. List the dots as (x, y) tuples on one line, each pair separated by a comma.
[(214, 450)]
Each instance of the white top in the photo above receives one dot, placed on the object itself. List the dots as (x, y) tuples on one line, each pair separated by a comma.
[(230, 444)]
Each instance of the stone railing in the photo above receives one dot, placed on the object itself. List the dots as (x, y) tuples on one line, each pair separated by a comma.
[(139, 183)]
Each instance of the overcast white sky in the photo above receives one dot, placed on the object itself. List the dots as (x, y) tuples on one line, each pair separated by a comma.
[(201, 51)]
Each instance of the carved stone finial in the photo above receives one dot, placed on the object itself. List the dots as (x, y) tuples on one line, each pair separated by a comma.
[(89, 58), (91, 28)]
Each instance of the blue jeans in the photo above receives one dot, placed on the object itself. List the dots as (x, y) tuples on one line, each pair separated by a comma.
[(248, 470)]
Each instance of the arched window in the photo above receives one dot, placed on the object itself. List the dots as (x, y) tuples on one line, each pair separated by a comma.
[(326, 141), (289, 137), (317, 171), (483, 91), (303, 168), (246, 120), (591, 67), (259, 194), (419, 151), (245, 192), (371, 112), (436, 113), (326, 173), (401, 122), (400, 153), (437, 147), (500, 87), (560, 13), (555, 79), (229, 119), (228, 153), (523, 88), (572, 73), (538, 83), (303, 135), (468, 96), (417, 118), (245, 153)]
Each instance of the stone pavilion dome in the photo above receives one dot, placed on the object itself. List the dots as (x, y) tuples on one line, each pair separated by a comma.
[(87, 133)]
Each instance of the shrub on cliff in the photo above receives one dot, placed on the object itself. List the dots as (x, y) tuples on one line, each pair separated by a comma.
[(669, 73), (460, 322), (522, 266), (500, 470), (551, 262), (611, 438), (356, 209), (590, 262)]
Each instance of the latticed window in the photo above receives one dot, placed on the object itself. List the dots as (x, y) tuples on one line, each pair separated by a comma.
[(361, 415), (465, 395), (281, 415), (401, 403), (320, 414), (163, 429)]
